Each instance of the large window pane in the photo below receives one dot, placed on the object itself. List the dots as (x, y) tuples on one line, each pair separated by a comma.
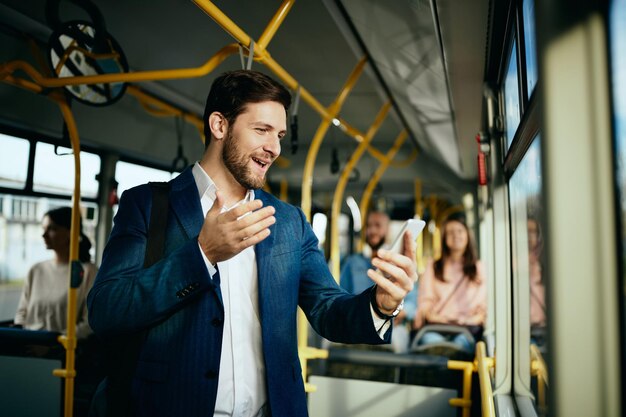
[(130, 175), (527, 256), (530, 44), (55, 173), (511, 96), (13, 161)]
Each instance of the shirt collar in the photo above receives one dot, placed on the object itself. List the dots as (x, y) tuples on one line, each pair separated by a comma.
[(206, 186)]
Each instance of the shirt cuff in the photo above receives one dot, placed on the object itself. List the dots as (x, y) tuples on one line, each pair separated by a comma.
[(381, 325), (212, 270)]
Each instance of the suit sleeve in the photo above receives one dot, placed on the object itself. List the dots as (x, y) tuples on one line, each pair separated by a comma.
[(334, 313), (126, 297)]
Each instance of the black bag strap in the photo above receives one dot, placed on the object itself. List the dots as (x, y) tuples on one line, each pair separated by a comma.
[(125, 353), (158, 223)]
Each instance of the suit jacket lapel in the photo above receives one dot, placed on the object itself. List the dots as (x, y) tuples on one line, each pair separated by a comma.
[(185, 202), (263, 257)]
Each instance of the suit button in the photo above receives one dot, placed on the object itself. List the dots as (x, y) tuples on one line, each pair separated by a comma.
[(210, 374), (216, 322)]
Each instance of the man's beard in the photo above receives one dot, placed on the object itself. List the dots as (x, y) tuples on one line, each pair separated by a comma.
[(237, 164), (378, 245)]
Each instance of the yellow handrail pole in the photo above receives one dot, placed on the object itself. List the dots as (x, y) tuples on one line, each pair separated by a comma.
[(341, 186), (371, 185), (466, 401), (274, 24), (538, 368), (224, 21), (307, 182), (283, 189), (333, 110), (419, 210), (261, 55), (483, 365), (441, 217), (149, 100), (358, 136), (138, 76), (69, 340)]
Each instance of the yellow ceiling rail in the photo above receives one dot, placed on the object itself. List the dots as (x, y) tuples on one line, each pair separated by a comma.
[(341, 186), (405, 162), (263, 56), (316, 142), (371, 185), (274, 24), (443, 215), (138, 76), (152, 103), (358, 136)]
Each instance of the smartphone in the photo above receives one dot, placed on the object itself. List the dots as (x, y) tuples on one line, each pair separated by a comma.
[(414, 227)]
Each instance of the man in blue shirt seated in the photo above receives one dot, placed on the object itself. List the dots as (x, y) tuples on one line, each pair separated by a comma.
[(355, 280)]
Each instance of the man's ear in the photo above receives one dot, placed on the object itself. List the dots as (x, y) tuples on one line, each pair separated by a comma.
[(218, 125)]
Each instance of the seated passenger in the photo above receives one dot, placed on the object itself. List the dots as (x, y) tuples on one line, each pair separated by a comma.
[(43, 304), (355, 280), (453, 289)]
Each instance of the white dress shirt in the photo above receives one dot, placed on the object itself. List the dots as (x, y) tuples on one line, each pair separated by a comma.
[(241, 389)]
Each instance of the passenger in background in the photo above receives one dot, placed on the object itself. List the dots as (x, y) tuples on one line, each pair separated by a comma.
[(355, 280), (43, 304), (453, 289), (537, 289)]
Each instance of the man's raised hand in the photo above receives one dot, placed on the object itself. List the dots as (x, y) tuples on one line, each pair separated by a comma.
[(224, 235)]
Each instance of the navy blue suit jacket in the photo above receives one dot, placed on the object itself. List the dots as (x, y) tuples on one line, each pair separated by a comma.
[(177, 372)]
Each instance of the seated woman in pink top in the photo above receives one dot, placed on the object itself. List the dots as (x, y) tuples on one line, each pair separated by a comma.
[(453, 289)]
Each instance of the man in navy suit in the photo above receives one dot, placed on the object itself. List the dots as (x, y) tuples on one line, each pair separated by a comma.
[(220, 307)]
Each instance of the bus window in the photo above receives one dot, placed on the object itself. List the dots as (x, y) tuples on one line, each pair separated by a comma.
[(130, 175), (13, 161), (21, 243), (527, 257), (530, 45), (54, 173), (511, 96)]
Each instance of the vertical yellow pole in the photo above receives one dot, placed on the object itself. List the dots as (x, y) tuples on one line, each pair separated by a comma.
[(69, 340), (341, 186), (283, 189), (371, 185), (419, 211)]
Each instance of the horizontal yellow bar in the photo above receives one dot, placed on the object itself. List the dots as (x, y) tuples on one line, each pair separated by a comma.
[(63, 373), (460, 402), (138, 76)]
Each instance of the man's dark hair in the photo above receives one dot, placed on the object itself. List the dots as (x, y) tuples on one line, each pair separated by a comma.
[(232, 91)]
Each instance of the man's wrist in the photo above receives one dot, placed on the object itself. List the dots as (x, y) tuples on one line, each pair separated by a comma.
[(378, 311)]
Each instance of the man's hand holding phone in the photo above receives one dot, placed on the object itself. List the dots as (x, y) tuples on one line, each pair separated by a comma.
[(396, 269)]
